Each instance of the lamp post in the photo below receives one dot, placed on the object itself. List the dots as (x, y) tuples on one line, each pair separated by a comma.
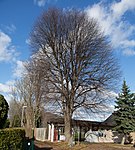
[(23, 108)]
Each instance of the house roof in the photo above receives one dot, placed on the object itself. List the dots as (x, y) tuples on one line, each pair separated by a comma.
[(57, 119), (54, 118), (110, 120)]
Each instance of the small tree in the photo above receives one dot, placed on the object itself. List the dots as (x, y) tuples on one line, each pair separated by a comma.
[(3, 111), (125, 114)]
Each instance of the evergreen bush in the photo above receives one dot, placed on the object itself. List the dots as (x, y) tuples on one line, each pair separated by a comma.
[(12, 139)]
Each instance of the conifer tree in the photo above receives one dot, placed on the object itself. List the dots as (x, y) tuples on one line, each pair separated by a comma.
[(3, 111), (125, 112)]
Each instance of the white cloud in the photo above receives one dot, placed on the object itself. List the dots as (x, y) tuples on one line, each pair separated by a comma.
[(40, 3), (19, 69), (4, 88), (7, 50), (113, 23), (11, 28), (128, 43), (8, 53), (7, 87), (119, 8), (28, 41), (129, 52)]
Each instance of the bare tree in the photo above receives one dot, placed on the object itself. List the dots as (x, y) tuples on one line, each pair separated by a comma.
[(23, 97), (81, 61), (15, 108), (36, 71), (30, 91)]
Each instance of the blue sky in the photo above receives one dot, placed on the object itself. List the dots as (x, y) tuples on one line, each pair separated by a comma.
[(116, 18)]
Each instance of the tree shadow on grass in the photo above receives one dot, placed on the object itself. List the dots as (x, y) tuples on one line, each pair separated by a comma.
[(37, 145), (43, 148)]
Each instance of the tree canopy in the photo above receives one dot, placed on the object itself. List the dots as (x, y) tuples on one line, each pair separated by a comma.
[(3, 111)]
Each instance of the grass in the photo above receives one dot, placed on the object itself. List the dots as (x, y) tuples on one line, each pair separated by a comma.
[(88, 146)]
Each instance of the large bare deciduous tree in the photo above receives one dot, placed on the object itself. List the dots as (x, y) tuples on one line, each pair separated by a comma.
[(80, 60)]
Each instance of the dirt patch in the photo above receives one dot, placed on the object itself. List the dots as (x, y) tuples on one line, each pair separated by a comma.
[(82, 146)]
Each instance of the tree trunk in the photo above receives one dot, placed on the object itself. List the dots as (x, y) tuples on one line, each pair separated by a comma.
[(68, 127), (123, 139), (29, 124)]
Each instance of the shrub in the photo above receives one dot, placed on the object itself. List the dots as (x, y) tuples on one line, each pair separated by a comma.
[(12, 139)]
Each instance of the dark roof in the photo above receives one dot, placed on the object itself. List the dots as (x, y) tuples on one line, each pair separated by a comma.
[(54, 118), (110, 120), (57, 119), (85, 122)]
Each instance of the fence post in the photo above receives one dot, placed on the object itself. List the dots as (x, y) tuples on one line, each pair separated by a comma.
[(32, 142), (52, 133)]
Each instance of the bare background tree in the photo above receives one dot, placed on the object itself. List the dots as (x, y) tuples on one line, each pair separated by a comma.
[(81, 64), (22, 97), (36, 70), (29, 95), (15, 113)]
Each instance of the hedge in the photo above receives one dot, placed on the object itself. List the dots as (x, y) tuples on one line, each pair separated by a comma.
[(12, 139)]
